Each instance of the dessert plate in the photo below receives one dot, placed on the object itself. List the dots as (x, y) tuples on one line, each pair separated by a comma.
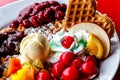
[(108, 67)]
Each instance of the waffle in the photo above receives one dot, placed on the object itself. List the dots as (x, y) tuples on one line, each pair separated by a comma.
[(85, 11), (57, 26), (103, 21), (77, 11)]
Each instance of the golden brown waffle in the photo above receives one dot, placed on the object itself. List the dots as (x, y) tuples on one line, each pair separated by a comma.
[(57, 26), (103, 21), (85, 11), (79, 10)]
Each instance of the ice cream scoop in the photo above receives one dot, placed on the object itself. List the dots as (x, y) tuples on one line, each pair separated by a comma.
[(34, 46)]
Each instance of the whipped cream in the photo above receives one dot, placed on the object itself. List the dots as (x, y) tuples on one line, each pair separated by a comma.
[(80, 40)]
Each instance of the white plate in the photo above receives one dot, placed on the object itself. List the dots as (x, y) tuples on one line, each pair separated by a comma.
[(108, 67)]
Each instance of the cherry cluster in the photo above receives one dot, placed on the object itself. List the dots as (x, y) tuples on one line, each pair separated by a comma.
[(70, 67), (39, 13), (74, 68)]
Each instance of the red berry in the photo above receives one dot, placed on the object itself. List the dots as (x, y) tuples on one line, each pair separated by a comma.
[(67, 41), (90, 58), (49, 11), (59, 15), (57, 69), (36, 9), (26, 23), (35, 4), (41, 14), (67, 57), (89, 67), (14, 24), (70, 73), (77, 63), (63, 7), (54, 3), (44, 75), (56, 8), (45, 4), (33, 20)]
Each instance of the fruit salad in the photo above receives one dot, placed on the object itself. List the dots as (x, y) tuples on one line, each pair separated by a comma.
[(40, 45)]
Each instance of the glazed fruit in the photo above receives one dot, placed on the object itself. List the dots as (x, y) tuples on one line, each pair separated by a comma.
[(67, 57), (44, 75), (45, 12), (57, 69), (56, 8), (26, 23), (77, 62), (54, 3), (14, 24), (89, 68), (59, 15), (70, 73), (91, 58), (9, 41), (33, 20), (63, 7), (67, 41)]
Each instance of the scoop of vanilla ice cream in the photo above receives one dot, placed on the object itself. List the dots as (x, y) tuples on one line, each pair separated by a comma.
[(34, 46)]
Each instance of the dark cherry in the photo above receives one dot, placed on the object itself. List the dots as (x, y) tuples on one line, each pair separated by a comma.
[(14, 24), (54, 3), (38, 8), (41, 16), (56, 8), (45, 4), (59, 15), (35, 4), (48, 15), (26, 23), (63, 7), (49, 11), (25, 13), (33, 20), (46, 12)]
